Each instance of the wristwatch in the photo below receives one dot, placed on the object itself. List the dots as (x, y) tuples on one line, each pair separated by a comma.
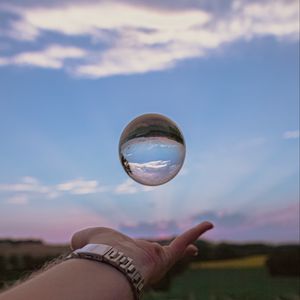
[(110, 255)]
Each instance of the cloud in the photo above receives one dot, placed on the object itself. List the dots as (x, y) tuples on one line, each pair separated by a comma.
[(31, 187), (131, 187), (21, 30), (4, 61), (134, 39), (282, 216), (278, 224), (80, 187), (52, 57), (154, 172), (294, 134), (168, 228), (151, 165), (127, 187), (27, 184), (18, 199)]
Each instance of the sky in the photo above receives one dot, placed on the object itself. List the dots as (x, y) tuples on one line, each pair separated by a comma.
[(73, 74)]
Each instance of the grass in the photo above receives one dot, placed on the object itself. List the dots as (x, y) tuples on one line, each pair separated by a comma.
[(242, 279), (257, 261), (35, 250), (235, 279)]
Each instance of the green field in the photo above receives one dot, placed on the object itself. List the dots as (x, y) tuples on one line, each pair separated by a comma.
[(236, 278), (254, 261), (229, 284)]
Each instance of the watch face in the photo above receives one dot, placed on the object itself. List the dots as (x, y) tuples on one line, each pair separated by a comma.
[(99, 249)]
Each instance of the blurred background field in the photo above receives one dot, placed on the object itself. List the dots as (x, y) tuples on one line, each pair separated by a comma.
[(229, 284), (222, 271)]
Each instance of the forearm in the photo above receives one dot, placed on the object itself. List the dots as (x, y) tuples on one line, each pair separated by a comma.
[(76, 279), (83, 279)]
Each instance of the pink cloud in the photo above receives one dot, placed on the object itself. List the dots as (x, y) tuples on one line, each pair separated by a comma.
[(58, 229)]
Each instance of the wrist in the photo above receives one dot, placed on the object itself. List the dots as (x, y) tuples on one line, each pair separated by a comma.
[(142, 259), (102, 253)]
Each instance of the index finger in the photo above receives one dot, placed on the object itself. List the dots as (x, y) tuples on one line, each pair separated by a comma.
[(178, 246)]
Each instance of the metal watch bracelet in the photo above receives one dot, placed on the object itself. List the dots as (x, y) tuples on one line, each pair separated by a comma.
[(115, 258)]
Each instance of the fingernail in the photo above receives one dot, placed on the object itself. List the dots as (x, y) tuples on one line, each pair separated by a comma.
[(210, 225)]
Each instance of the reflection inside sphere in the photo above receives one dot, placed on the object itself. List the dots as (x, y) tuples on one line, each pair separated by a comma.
[(152, 149)]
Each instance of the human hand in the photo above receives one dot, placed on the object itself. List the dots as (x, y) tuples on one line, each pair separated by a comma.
[(150, 258)]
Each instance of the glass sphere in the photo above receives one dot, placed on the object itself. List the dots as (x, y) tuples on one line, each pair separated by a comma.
[(152, 149)]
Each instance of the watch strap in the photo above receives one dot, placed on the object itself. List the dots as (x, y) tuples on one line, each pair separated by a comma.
[(117, 259)]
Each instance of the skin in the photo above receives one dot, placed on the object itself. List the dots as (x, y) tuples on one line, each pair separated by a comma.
[(82, 279)]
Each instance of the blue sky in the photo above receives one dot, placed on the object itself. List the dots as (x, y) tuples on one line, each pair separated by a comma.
[(226, 74)]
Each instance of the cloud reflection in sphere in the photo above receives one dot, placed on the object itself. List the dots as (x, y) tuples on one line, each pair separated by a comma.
[(152, 149)]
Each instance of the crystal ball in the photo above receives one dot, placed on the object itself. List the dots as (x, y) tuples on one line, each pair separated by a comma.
[(152, 149)]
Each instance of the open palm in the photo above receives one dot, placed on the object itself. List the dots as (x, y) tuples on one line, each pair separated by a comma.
[(151, 259)]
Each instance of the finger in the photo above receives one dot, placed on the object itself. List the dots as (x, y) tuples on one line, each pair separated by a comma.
[(82, 237), (190, 250), (178, 246)]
